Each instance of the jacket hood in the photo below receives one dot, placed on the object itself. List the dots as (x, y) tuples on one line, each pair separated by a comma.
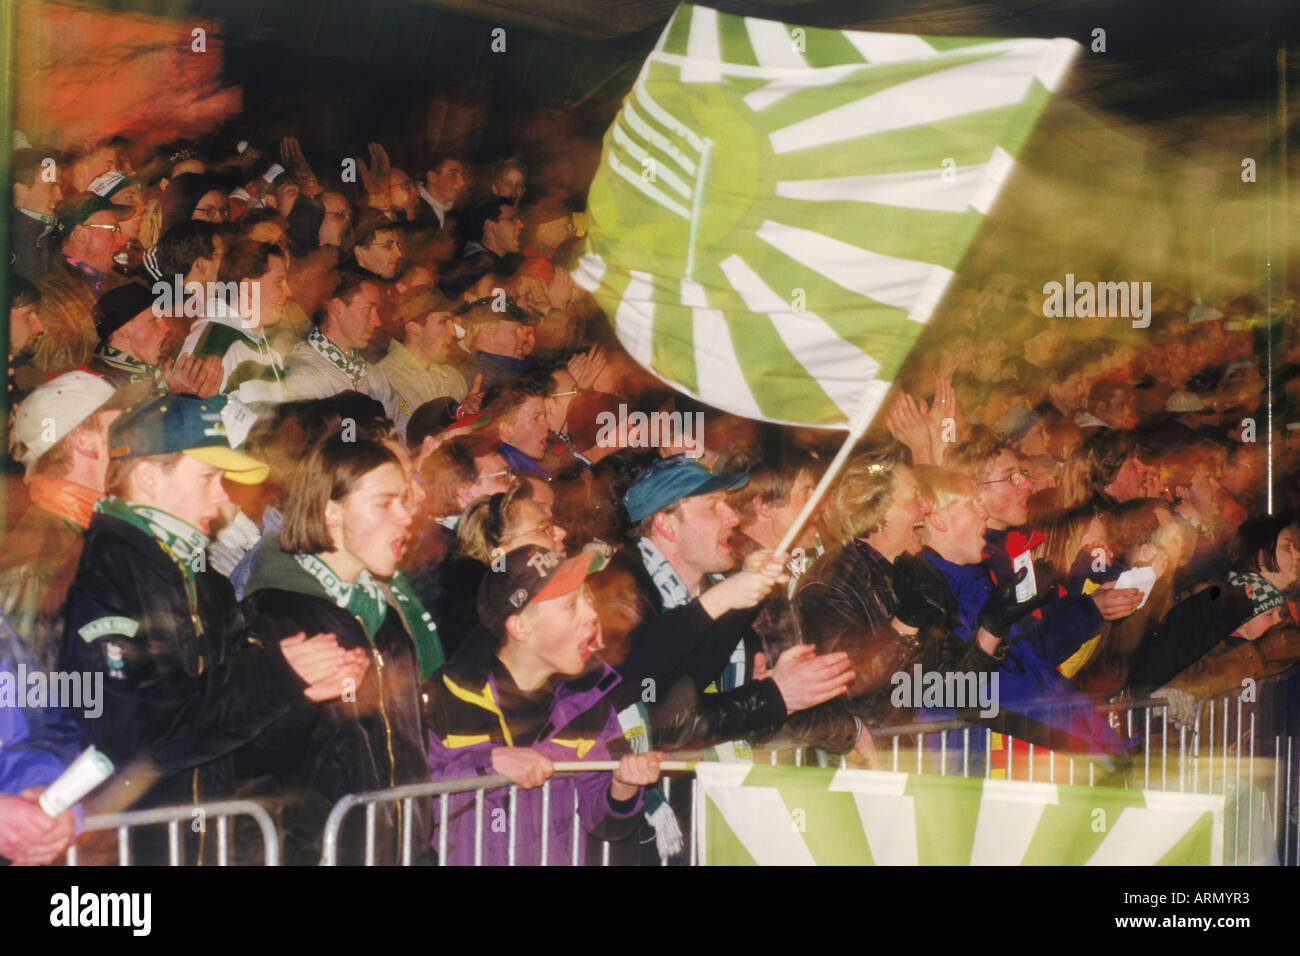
[(273, 569)]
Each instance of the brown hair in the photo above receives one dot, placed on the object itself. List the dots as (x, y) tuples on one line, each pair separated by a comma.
[(119, 470), (970, 457), (249, 259), (330, 473), (771, 481), (449, 468), (57, 460)]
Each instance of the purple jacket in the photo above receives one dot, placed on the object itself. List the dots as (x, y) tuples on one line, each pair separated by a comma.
[(475, 707)]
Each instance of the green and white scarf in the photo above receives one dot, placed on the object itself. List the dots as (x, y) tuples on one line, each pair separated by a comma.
[(366, 599), (180, 539), (133, 366), (428, 646), (672, 590), (350, 364), (363, 599), (183, 542)]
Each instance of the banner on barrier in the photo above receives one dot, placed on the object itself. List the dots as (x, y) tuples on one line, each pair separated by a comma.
[(806, 816)]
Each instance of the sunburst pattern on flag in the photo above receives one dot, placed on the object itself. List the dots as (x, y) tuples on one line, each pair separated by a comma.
[(779, 209), (809, 816)]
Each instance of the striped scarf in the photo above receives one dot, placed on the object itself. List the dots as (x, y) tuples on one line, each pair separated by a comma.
[(132, 366), (182, 542), (363, 598), (350, 363)]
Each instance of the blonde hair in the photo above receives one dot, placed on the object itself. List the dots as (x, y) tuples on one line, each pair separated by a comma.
[(486, 521), (942, 487), (856, 503)]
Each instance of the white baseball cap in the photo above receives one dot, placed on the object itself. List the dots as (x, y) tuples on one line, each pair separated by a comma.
[(53, 410)]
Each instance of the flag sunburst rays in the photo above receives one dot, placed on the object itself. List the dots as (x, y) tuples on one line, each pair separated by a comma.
[(779, 210)]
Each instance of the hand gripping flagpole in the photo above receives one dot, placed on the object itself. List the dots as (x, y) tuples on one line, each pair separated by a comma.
[(857, 428)]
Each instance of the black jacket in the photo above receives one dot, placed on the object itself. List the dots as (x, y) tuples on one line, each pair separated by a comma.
[(186, 683), (849, 603), (1186, 633), (323, 751), (679, 652)]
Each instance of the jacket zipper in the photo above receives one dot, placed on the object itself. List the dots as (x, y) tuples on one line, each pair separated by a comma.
[(383, 713), (192, 598)]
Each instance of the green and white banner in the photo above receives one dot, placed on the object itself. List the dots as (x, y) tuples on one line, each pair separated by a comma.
[(779, 209), (809, 816)]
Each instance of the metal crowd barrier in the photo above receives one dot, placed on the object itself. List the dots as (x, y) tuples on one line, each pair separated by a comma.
[(442, 790), (1221, 752), (174, 817)]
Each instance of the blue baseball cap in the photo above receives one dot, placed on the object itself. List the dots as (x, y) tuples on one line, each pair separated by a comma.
[(171, 423), (670, 480)]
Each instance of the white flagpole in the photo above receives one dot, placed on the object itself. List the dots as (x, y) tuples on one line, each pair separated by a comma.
[(856, 430)]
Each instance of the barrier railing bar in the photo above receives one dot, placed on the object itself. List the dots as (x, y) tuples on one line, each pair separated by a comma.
[(173, 817)]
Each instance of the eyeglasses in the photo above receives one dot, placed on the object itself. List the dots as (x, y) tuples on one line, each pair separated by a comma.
[(390, 244), (337, 215), (494, 474), (407, 184), (209, 211), (95, 225), (1017, 478), (574, 391), (546, 528)]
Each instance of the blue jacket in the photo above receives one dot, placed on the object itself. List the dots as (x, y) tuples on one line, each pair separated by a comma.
[(36, 744), (1029, 683)]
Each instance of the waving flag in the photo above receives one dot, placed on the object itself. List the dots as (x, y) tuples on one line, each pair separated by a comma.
[(779, 209), (803, 816)]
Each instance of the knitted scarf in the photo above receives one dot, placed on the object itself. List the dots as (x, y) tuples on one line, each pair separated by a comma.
[(179, 539), (132, 366), (350, 363), (672, 590), (428, 646), (363, 599)]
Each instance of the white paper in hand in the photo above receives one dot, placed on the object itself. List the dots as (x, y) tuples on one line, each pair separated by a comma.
[(1142, 578), (1027, 588)]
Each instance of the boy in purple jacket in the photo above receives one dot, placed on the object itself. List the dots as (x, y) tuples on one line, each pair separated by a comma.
[(524, 691)]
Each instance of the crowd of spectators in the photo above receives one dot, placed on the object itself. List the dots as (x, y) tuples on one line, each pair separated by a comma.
[(315, 478)]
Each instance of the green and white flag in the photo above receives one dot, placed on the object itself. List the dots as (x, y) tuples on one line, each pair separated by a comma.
[(779, 209), (808, 816)]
